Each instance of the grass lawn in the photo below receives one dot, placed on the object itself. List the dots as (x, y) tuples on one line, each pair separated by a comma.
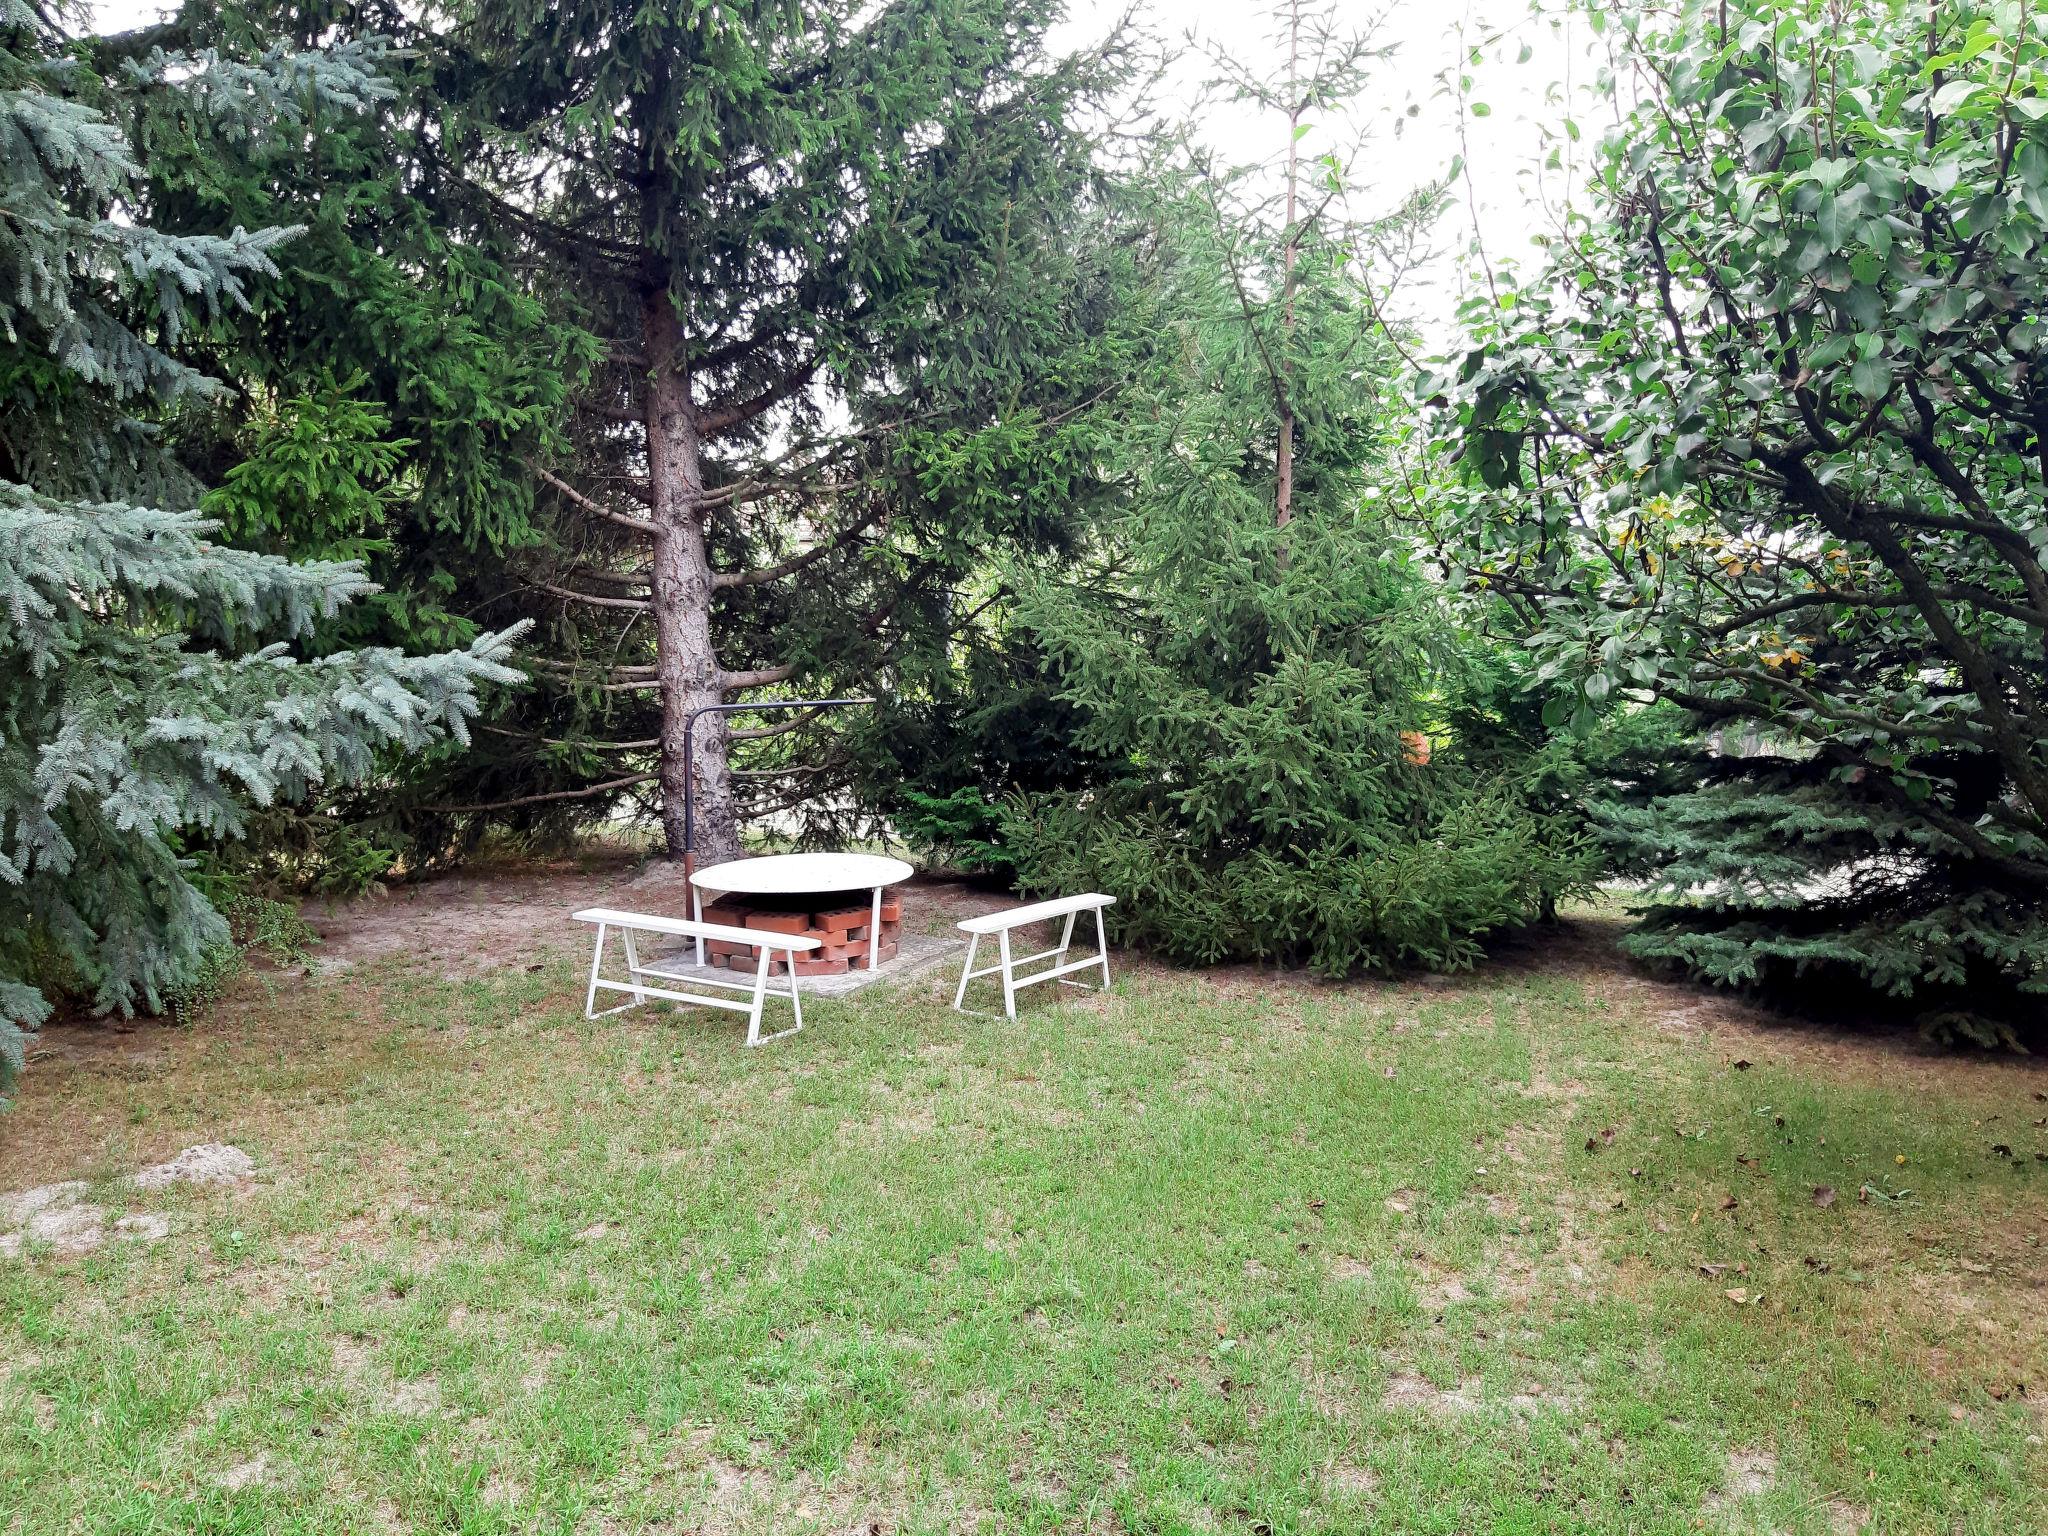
[(1530, 1251)]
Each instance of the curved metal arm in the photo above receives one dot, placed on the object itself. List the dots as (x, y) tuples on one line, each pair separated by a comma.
[(690, 757)]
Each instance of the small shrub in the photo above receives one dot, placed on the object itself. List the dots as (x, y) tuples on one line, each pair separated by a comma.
[(256, 924), (961, 830), (1366, 902)]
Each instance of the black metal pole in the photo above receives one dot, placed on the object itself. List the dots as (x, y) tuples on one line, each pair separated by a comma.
[(690, 758)]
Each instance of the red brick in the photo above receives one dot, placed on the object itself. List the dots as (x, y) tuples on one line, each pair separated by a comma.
[(860, 955), (780, 922), (892, 909), (843, 919), (821, 967), (727, 915)]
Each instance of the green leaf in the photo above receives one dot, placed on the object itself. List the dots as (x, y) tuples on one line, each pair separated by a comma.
[(1871, 377)]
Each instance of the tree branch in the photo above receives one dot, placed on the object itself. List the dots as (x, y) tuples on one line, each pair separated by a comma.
[(725, 580), (584, 503), (588, 792)]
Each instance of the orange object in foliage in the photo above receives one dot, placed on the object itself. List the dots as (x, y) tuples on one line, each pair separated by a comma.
[(1415, 748)]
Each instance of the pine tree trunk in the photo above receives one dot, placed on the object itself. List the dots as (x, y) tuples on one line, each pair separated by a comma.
[(684, 660)]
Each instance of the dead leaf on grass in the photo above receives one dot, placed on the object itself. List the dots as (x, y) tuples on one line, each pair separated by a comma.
[(1823, 1195)]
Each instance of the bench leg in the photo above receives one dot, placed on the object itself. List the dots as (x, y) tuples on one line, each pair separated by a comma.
[(967, 970), (1066, 938), (1102, 948), (1009, 978), (697, 912), (596, 967), (761, 995), (632, 962), (590, 1008)]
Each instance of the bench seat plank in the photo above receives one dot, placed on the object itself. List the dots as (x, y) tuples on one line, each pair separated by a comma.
[(690, 928), (1037, 912)]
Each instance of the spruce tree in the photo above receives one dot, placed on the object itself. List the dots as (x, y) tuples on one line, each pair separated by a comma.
[(1254, 649), (150, 688), (835, 257), (387, 393)]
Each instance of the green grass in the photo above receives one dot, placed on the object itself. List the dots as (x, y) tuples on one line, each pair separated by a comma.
[(1130, 1264)]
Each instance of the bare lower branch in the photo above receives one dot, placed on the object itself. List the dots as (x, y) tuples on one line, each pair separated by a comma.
[(588, 792), (584, 503)]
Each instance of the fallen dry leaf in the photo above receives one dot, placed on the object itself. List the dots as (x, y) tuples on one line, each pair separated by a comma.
[(1742, 1298), (1823, 1195), (1741, 1065)]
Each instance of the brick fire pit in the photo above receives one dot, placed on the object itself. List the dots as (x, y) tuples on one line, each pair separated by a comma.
[(840, 899), (838, 921)]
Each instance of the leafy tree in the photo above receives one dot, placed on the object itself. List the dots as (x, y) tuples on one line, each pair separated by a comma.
[(1258, 650), (1768, 439), (835, 256), (150, 691)]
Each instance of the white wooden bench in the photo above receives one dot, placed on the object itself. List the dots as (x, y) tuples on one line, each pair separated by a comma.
[(1000, 924), (787, 945)]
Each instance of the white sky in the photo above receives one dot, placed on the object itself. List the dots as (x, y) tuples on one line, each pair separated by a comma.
[(1505, 199), (1507, 195)]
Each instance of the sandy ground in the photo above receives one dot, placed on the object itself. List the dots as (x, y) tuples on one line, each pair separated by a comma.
[(474, 923)]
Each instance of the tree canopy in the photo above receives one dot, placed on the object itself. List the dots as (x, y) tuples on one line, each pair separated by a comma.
[(155, 682), (1768, 438)]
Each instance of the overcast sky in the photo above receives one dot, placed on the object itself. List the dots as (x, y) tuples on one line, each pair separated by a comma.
[(1418, 125), (1526, 99)]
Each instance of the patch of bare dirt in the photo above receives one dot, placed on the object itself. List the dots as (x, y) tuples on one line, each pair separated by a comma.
[(59, 1217), (492, 919), (1750, 1475), (1408, 1390), (480, 922)]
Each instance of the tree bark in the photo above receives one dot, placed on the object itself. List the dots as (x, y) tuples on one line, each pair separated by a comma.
[(686, 662)]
